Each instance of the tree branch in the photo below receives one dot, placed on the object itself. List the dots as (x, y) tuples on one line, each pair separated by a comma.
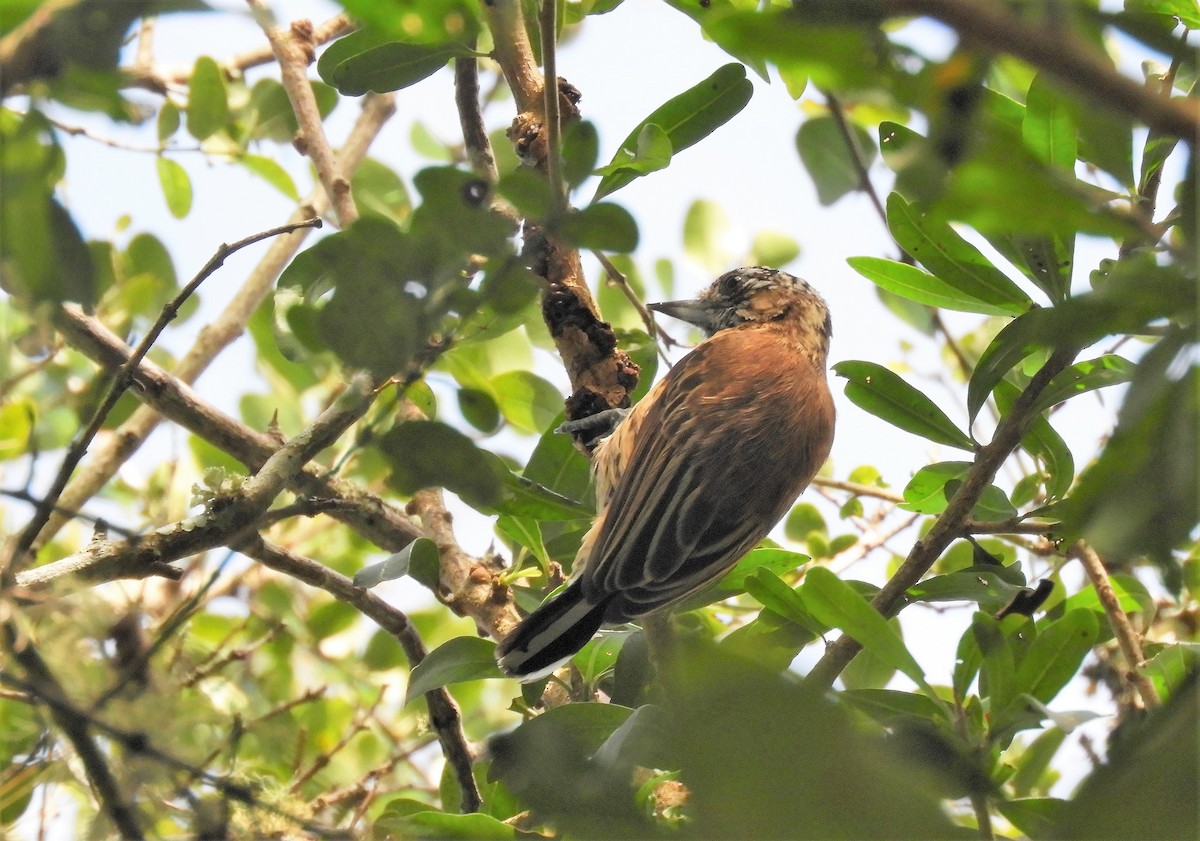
[(444, 714), (949, 524), (1127, 638), (295, 49), (115, 450), (476, 142), (16, 551), (1059, 53), (45, 686), (601, 374), (229, 516)]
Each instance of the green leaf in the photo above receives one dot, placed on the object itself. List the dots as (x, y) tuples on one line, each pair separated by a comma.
[(803, 520), (772, 248), (831, 165), (955, 261), (685, 119), (601, 227), (526, 533), (271, 172), (1132, 294), (586, 726), (360, 63), (208, 100), (886, 395), (455, 661), (998, 670), (917, 285), (986, 587), (888, 705), (580, 148), (967, 661), (427, 454), (652, 152), (16, 428), (436, 825), (168, 121), (1083, 377), (527, 401), (777, 561), (329, 618), (1037, 817), (1017, 340), (1042, 442), (380, 191), (176, 186), (555, 464), (772, 592), (1056, 654), (421, 551), (930, 489), (524, 498), (835, 57), (837, 604), (1045, 259), (1049, 126)]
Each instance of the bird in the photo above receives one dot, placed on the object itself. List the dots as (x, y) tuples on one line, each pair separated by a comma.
[(701, 469)]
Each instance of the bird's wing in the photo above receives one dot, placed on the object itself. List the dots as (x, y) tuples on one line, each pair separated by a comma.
[(720, 455)]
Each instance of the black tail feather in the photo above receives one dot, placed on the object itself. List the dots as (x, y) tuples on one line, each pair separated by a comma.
[(550, 635)]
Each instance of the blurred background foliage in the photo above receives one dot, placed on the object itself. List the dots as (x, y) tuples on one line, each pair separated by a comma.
[(238, 702)]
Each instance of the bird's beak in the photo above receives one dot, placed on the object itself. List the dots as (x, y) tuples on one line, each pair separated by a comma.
[(698, 312)]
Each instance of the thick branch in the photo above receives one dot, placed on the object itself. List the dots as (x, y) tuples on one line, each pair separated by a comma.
[(444, 714), (949, 525), (469, 584), (228, 518), (601, 374)]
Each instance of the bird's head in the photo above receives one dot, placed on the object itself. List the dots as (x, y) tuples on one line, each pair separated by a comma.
[(755, 295)]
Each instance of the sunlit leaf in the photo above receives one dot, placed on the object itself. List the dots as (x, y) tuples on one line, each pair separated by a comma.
[(208, 100), (685, 120), (886, 395)]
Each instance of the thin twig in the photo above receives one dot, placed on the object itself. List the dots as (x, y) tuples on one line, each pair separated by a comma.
[(857, 158), (858, 489), (45, 686), (548, 26), (372, 517), (137, 742), (662, 337), (16, 551), (444, 715), (1127, 638), (476, 142)]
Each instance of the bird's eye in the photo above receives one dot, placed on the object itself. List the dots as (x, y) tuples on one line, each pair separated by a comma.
[(730, 284)]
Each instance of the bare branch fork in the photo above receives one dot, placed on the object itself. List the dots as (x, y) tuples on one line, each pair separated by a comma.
[(16, 551)]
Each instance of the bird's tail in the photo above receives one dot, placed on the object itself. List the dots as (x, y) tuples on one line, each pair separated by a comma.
[(550, 635)]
